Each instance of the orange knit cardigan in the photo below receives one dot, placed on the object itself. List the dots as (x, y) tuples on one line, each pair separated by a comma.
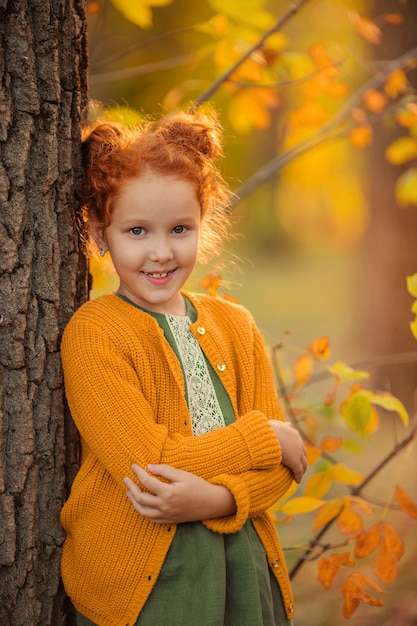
[(125, 390)]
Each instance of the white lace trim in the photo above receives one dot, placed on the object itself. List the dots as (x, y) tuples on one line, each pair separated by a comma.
[(203, 404)]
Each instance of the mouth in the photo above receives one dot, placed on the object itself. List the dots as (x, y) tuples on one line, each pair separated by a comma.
[(159, 275)]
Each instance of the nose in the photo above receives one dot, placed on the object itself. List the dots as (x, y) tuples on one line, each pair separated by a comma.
[(161, 250)]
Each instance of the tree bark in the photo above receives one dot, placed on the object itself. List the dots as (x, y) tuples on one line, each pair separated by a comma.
[(43, 93)]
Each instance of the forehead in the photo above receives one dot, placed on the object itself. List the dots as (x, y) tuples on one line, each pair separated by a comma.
[(157, 194)]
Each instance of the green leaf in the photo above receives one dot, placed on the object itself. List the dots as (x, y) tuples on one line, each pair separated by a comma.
[(344, 371), (406, 188), (357, 412), (401, 151), (386, 401), (412, 285)]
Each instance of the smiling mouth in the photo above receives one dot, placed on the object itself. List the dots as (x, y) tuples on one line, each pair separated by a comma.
[(159, 274)]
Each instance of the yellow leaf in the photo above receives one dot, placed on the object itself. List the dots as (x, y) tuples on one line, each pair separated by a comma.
[(349, 522), (406, 188), (361, 136), (300, 505), (387, 402), (366, 28), (329, 566), (374, 100), (367, 542), (344, 475), (344, 371), (317, 485), (320, 348), (412, 284), (303, 367), (354, 591), (138, 12), (401, 150), (214, 26), (326, 513), (396, 84), (406, 503)]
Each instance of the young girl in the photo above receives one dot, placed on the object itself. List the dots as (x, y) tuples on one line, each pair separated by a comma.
[(184, 444)]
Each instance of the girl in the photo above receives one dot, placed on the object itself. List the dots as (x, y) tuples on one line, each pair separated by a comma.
[(174, 399)]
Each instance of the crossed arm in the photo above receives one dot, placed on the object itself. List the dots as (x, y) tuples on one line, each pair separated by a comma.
[(184, 497)]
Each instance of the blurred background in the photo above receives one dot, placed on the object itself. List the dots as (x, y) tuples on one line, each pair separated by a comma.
[(323, 246)]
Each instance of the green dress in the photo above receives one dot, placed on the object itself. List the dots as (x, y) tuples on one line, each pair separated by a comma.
[(211, 579)]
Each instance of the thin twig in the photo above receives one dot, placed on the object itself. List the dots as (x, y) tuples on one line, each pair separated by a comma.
[(328, 131), (356, 491), (141, 70), (226, 75)]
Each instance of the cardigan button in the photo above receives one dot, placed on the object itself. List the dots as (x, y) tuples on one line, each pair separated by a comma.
[(275, 563), (201, 330), (221, 366)]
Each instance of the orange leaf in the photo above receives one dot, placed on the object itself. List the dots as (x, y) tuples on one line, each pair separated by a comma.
[(350, 523), (361, 136), (396, 84), (320, 348), (386, 565), (374, 100), (393, 540), (406, 503), (303, 367), (331, 444), (366, 28), (310, 113), (313, 453), (330, 398), (93, 8), (394, 18), (327, 513), (367, 541), (354, 591), (329, 566), (407, 117), (210, 282), (229, 298), (360, 504)]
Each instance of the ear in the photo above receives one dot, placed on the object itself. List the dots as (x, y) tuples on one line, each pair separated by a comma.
[(98, 234)]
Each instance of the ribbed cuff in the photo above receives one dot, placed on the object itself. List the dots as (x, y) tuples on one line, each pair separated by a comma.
[(263, 446), (232, 523)]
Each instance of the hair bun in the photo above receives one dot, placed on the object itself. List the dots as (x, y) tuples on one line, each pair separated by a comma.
[(193, 132)]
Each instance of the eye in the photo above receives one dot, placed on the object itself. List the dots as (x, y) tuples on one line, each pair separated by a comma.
[(178, 230), (137, 230)]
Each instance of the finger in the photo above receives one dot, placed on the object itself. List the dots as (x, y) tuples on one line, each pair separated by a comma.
[(148, 481), (166, 471)]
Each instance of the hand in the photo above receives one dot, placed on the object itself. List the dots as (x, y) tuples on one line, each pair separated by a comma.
[(294, 454), (182, 497)]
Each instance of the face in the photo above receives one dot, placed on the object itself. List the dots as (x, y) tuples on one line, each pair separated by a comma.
[(153, 240)]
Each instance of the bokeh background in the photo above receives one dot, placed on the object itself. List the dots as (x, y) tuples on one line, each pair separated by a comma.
[(323, 248)]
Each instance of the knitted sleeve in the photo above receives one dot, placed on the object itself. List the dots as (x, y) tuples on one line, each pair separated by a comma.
[(117, 422), (255, 491)]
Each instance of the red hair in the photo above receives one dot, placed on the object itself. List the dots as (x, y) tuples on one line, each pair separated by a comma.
[(183, 145)]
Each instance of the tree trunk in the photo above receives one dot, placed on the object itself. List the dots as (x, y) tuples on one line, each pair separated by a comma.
[(390, 251), (42, 99)]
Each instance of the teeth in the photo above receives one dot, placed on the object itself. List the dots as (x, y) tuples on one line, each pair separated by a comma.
[(158, 275)]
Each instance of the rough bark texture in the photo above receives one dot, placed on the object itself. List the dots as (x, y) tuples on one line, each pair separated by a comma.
[(42, 97), (390, 248)]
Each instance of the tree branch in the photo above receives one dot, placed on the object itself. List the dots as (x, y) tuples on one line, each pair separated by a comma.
[(329, 130), (226, 75)]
